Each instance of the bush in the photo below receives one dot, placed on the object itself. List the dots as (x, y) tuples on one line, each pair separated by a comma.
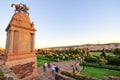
[(2, 76), (114, 61), (90, 59), (1, 73)]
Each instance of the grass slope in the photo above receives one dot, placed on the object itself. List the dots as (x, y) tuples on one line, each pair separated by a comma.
[(40, 62), (99, 73)]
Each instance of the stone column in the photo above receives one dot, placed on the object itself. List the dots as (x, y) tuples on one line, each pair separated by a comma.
[(32, 42), (11, 36), (6, 50)]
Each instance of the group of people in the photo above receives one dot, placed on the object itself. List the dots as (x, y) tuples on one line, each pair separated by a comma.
[(75, 67), (55, 68), (45, 65)]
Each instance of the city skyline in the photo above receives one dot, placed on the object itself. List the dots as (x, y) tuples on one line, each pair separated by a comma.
[(64, 23)]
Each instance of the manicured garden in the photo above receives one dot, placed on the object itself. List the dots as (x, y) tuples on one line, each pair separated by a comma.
[(96, 63), (98, 72)]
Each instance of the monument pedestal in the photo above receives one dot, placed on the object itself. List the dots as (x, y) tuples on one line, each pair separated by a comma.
[(21, 57)]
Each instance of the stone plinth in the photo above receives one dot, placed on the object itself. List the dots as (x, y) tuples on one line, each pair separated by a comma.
[(21, 57)]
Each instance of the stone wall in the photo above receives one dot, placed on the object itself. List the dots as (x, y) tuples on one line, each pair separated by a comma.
[(23, 70), (62, 77)]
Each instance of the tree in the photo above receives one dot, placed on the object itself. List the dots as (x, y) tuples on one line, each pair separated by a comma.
[(116, 51), (1, 50), (103, 53), (86, 52)]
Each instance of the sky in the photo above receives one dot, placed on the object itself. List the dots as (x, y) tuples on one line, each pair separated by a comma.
[(67, 22)]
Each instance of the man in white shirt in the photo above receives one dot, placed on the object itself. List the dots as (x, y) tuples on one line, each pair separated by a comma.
[(53, 69)]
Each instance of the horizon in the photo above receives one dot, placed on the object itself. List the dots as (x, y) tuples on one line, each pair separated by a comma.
[(71, 45), (64, 23), (74, 45)]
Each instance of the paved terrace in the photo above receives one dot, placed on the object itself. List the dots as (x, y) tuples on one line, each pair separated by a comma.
[(66, 65)]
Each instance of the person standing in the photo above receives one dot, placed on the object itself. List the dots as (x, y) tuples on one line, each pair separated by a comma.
[(56, 69), (53, 69), (58, 59), (49, 66), (73, 68), (77, 66), (44, 66)]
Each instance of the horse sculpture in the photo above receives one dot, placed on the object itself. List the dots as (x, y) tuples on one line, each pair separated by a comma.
[(20, 8)]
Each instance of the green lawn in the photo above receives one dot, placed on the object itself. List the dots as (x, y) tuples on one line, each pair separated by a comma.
[(40, 62), (95, 53), (98, 53), (99, 73)]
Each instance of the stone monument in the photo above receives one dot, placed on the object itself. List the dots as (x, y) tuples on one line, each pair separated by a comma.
[(20, 54)]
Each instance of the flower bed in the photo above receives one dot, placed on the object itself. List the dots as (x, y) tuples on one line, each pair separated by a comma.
[(78, 77)]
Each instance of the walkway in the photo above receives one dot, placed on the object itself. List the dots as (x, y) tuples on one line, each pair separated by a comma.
[(66, 65)]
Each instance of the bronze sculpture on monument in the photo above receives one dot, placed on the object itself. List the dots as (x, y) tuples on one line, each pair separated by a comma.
[(20, 54), (21, 8)]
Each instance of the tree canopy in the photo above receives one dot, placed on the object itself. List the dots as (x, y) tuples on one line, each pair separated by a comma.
[(117, 51)]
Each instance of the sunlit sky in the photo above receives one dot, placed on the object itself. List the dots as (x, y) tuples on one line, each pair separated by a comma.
[(67, 22)]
